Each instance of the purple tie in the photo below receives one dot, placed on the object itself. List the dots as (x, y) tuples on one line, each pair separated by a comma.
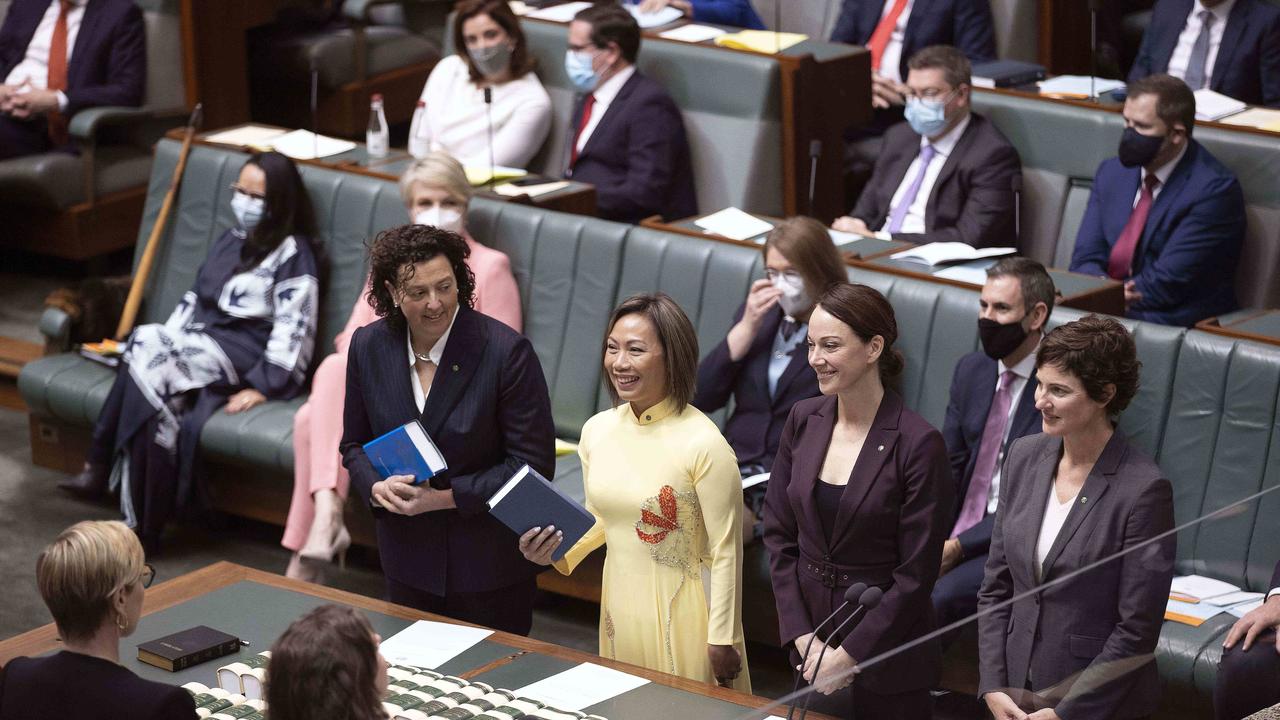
[(975, 501), (900, 213)]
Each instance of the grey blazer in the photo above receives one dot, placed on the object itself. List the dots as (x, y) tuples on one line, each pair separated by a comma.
[(1085, 646)]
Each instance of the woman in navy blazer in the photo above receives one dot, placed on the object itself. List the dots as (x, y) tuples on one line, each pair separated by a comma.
[(860, 493), (478, 390)]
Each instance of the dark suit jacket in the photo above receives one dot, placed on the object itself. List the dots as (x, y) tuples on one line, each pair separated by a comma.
[(1248, 64), (489, 413), (889, 530), (965, 24), (972, 200), (637, 156), (1111, 614), (973, 387), (756, 424), (1185, 263), (103, 690), (109, 61)]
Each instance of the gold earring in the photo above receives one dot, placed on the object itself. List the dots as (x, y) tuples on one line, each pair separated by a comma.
[(121, 622)]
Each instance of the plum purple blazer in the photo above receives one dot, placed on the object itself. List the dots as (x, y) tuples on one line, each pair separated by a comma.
[(893, 518)]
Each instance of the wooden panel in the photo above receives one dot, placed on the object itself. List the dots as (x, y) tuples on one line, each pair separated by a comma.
[(82, 231)]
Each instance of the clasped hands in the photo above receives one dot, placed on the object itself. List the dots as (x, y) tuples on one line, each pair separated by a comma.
[(399, 495), (838, 667), (23, 103), (1003, 707)]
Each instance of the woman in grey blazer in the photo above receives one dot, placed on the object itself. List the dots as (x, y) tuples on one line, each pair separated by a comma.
[(1077, 493)]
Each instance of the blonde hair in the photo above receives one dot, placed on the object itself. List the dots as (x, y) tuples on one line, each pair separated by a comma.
[(439, 169), (82, 568)]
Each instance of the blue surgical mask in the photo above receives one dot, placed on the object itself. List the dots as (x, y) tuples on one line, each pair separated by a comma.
[(927, 117), (248, 210), (578, 65)]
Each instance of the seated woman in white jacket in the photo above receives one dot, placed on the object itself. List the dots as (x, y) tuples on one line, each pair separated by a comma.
[(490, 52)]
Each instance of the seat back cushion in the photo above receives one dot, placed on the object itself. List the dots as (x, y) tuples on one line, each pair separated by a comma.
[(815, 18), (1044, 196), (166, 83)]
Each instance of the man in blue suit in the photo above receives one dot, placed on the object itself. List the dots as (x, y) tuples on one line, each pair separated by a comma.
[(628, 135), (992, 404), (1165, 216), (103, 62), (1229, 46)]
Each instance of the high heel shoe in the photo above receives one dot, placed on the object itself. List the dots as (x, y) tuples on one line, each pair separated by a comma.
[(337, 547), (90, 483), (305, 570)]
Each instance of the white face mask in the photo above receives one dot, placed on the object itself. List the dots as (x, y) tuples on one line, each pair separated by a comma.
[(795, 298), (443, 218)]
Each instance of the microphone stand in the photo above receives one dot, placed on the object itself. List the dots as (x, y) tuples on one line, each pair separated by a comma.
[(1015, 184), (1093, 49), (315, 122), (850, 595), (488, 111), (867, 600), (815, 149), (777, 26)]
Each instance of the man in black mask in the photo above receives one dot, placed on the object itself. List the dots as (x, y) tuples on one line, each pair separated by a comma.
[(992, 404), (1165, 217)]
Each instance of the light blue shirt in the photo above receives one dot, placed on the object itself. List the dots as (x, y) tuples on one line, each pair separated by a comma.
[(780, 354)]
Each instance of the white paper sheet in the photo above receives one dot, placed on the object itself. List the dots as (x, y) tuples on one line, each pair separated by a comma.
[(532, 191), (693, 33), (1215, 106), (429, 644), (1234, 598), (753, 480), (1244, 608), (1200, 587), (646, 20), (936, 253), (519, 8), (306, 145), (1077, 85), (734, 223), (246, 136), (972, 274), (560, 13), (1257, 117), (581, 687), (1200, 611)]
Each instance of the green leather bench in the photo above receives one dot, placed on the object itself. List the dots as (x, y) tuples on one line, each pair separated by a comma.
[(1206, 408)]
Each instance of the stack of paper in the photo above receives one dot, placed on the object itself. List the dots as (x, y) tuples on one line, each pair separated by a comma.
[(533, 191), (480, 175), (1195, 598), (646, 20), (734, 223), (1077, 85), (254, 136), (693, 33), (580, 687), (1215, 106), (306, 145), (1194, 588), (939, 253), (1257, 117), (761, 41), (430, 644), (560, 13)]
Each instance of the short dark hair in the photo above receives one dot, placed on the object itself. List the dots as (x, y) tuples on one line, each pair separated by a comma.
[(806, 244), (1100, 352), (678, 339), (954, 65), (1175, 103), (394, 252), (522, 63), (286, 211), (611, 23), (325, 665), (868, 314), (1037, 286)]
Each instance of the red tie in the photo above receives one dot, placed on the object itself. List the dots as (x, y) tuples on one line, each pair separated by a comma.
[(1121, 262), (58, 72), (587, 105), (880, 38)]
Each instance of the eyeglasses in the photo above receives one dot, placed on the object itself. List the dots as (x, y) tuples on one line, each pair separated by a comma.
[(148, 575), (931, 94), (236, 187)]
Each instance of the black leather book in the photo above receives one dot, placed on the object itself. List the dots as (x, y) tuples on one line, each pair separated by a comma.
[(1006, 73), (528, 500), (189, 647)]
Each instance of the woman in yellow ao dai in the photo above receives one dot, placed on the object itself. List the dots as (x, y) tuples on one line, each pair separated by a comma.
[(664, 487)]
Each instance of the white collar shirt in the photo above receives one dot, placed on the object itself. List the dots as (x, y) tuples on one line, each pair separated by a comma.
[(434, 355), (32, 72), (605, 95), (1181, 58), (1021, 378), (891, 60), (914, 222), (1162, 174)]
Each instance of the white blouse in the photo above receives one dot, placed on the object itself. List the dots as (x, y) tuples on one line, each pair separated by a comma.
[(1055, 516), (458, 121)]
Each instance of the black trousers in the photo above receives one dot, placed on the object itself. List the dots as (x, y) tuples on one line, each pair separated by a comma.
[(23, 137), (509, 608), (1248, 681)]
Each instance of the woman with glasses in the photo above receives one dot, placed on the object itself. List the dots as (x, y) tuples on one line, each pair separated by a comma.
[(92, 577), (242, 335)]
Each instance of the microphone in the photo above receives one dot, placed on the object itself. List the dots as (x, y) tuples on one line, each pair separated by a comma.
[(1094, 7), (815, 149), (1015, 184), (867, 600), (777, 32), (850, 596), (315, 101), (488, 111)]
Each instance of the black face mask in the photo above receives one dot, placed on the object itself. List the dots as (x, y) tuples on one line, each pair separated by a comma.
[(1000, 340), (1137, 149)]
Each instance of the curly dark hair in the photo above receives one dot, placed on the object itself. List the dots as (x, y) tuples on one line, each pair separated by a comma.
[(393, 255), (325, 665), (1100, 352)]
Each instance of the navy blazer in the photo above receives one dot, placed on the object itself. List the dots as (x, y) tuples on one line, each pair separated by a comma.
[(965, 24), (1248, 64), (889, 530), (735, 13), (1102, 623), (756, 423), (973, 388), (1185, 263), (489, 413), (637, 156), (71, 685), (972, 199), (109, 61)]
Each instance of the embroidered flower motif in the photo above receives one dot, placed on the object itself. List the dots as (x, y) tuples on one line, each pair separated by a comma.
[(669, 523)]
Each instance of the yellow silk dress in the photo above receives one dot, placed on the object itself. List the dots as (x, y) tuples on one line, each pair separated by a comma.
[(667, 498)]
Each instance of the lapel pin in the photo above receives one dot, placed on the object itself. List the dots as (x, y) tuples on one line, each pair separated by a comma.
[(1084, 500), (880, 449), (455, 367)]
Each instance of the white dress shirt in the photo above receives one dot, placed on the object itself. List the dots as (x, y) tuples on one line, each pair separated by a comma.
[(457, 119), (1162, 174), (437, 351), (33, 70), (891, 60), (1055, 516), (605, 94), (914, 222), (1022, 376), (1181, 57)]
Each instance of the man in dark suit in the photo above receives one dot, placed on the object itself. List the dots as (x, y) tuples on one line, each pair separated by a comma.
[(1165, 216), (944, 175), (1229, 46), (992, 404), (1249, 676), (628, 135), (60, 57)]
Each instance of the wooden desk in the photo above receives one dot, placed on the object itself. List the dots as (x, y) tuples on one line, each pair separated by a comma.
[(863, 248), (258, 606), (1258, 325)]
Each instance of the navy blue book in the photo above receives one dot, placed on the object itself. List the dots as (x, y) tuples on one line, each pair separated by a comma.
[(529, 500), (407, 450)]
